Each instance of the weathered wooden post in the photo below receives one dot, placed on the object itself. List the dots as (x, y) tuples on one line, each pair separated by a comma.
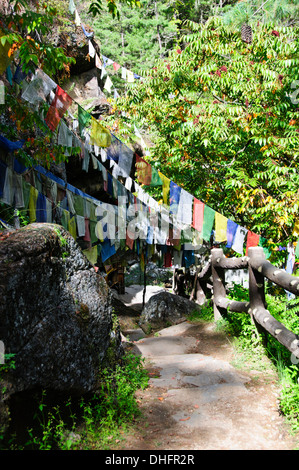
[(218, 275), (256, 285)]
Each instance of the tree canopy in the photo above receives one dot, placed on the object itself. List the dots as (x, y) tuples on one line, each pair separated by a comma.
[(223, 119)]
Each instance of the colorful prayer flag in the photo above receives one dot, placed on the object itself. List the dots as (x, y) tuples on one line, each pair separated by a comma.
[(239, 238), (99, 135), (252, 240), (83, 118), (208, 222), (220, 228), (198, 211), (165, 187), (72, 7), (58, 107), (231, 231), (144, 171), (174, 197), (130, 76), (108, 84)]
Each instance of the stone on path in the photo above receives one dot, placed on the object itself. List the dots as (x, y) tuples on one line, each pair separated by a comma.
[(164, 308)]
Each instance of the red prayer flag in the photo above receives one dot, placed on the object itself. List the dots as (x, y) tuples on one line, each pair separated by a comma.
[(167, 260), (58, 107), (144, 171), (116, 66), (252, 240), (198, 211), (130, 239)]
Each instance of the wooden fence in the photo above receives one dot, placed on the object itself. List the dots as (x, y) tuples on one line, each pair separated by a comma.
[(259, 269)]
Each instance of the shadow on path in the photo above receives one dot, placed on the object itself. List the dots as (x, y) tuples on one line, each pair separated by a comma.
[(197, 400)]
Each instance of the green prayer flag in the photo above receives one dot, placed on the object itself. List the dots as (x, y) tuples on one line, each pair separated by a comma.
[(297, 250), (83, 118), (26, 193), (92, 230), (263, 244), (156, 180), (78, 205), (208, 222), (65, 218)]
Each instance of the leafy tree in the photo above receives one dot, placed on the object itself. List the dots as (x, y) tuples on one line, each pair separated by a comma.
[(139, 36), (25, 30), (223, 118), (96, 7), (282, 12)]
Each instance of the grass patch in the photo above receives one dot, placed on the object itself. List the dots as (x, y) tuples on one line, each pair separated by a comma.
[(94, 422)]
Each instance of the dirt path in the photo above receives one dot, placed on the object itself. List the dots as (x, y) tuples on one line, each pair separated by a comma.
[(197, 400)]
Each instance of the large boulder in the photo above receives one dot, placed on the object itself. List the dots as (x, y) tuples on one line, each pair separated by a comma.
[(55, 313), (165, 309)]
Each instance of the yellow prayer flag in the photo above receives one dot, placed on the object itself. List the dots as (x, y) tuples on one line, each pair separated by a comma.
[(33, 195), (72, 227), (296, 229), (130, 76), (220, 228), (99, 135), (166, 187), (92, 254), (99, 231)]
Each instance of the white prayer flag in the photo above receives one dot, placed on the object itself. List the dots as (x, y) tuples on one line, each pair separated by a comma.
[(128, 183), (77, 18), (103, 155), (130, 76), (103, 72), (91, 49), (72, 7), (108, 84), (98, 62), (239, 239), (185, 207), (124, 73)]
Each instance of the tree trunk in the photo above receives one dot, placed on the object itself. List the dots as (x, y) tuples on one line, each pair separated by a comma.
[(158, 28)]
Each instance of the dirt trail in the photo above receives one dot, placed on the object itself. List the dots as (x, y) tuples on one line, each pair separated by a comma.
[(197, 400)]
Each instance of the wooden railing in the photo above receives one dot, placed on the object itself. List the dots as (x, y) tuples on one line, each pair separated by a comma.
[(259, 269)]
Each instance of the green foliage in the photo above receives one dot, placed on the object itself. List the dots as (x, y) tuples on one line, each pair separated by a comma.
[(289, 398), (20, 31), (224, 125), (96, 7), (115, 401), (91, 421), (8, 363), (205, 314), (239, 327), (281, 12), (136, 38)]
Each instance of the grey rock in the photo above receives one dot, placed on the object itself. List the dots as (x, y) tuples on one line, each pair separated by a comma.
[(55, 312), (166, 308)]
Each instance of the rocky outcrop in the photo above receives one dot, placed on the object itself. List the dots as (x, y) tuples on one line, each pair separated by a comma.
[(55, 313), (165, 309)]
